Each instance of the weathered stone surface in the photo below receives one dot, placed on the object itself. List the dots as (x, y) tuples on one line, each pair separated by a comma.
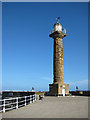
[(58, 66)]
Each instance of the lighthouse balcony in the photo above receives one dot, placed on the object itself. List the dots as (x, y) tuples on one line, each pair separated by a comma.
[(63, 30), (57, 33)]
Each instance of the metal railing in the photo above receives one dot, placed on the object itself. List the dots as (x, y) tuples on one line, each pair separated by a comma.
[(52, 31), (15, 103)]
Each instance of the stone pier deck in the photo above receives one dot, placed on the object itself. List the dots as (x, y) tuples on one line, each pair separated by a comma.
[(52, 107)]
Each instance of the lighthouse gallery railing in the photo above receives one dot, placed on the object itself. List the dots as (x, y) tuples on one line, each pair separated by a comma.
[(15, 103), (52, 31)]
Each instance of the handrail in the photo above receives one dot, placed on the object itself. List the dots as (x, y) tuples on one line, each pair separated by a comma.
[(16, 102), (52, 31)]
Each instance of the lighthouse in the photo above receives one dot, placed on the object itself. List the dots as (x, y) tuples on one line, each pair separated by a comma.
[(58, 87)]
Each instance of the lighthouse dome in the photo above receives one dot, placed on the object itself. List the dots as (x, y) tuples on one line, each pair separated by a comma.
[(57, 27)]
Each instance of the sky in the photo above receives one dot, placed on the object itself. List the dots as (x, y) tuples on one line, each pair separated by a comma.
[(27, 49)]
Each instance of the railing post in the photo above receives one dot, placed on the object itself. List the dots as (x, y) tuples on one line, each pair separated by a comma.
[(17, 103), (35, 97), (30, 99), (25, 100), (4, 105)]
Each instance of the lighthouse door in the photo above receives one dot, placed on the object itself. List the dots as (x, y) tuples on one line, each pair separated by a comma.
[(63, 92)]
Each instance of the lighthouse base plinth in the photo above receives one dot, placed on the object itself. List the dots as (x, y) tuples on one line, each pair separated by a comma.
[(58, 89)]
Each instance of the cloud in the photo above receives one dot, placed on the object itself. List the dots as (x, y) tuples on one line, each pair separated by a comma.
[(83, 82), (78, 82)]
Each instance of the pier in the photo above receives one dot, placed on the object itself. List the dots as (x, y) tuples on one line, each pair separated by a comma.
[(52, 107)]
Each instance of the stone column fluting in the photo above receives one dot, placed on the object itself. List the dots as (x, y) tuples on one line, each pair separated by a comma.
[(58, 65)]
